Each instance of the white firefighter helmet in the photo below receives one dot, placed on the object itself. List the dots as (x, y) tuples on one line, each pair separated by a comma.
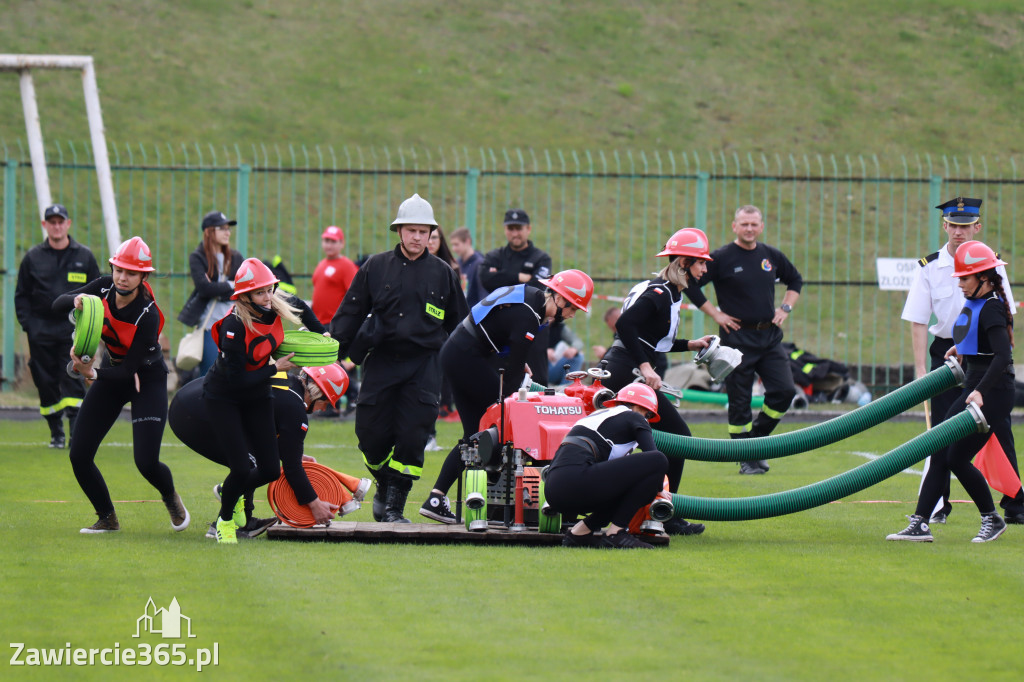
[(414, 211)]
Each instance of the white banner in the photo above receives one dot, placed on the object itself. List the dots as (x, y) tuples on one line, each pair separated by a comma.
[(895, 274)]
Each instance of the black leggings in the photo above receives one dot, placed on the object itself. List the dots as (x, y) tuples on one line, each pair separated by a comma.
[(957, 457), (611, 491), (100, 409), (621, 367), (243, 429)]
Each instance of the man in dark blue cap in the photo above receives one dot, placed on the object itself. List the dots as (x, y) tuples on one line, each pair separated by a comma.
[(54, 267), (934, 291)]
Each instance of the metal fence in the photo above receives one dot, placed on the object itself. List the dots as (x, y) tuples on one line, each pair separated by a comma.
[(607, 213)]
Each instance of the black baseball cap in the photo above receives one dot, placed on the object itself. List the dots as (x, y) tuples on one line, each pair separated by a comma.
[(55, 209), (216, 219), (516, 216)]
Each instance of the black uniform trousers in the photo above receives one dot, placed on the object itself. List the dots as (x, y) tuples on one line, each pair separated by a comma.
[(957, 457), (611, 491), (763, 355), (398, 403), (58, 391), (100, 409), (621, 366), (246, 433), (940, 405)]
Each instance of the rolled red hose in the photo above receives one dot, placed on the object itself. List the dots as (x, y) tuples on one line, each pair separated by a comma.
[(328, 484)]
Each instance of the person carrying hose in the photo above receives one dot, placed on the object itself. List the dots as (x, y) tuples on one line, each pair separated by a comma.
[(294, 399), (983, 342), (498, 334), (647, 326), (237, 390), (133, 371), (595, 470)]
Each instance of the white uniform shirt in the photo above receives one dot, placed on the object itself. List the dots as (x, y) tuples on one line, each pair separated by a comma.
[(935, 290)]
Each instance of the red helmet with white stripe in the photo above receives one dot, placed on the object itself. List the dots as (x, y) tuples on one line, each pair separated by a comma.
[(688, 241), (133, 255), (973, 257), (574, 285), (637, 394), (331, 379), (252, 274)]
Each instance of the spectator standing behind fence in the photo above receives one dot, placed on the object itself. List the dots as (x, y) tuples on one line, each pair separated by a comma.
[(744, 275), (399, 311), (983, 341), (212, 266), (56, 266), (469, 262), (934, 291), (332, 276), (520, 262)]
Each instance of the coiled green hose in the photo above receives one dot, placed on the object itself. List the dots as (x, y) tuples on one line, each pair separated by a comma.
[(88, 326), (835, 488), (819, 435), (311, 349)]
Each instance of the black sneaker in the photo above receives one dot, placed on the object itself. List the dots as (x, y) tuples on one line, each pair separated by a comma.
[(57, 442), (588, 540), (623, 540), (917, 531), (255, 528), (437, 508), (105, 524), (212, 531), (938, 517), (683, 527), (753, 467), (992, 526), (1013, 517)]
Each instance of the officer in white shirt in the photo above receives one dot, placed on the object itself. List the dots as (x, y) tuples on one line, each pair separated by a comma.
[(935, 291)]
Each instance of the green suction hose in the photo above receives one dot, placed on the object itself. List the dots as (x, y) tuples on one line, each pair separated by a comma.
[(837, 487), (819, 435)]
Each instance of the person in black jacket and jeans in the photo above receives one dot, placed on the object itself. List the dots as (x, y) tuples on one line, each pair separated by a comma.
[(213, 266), (57, 266)]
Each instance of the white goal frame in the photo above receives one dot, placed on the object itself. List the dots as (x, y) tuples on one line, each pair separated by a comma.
[(23, 65)]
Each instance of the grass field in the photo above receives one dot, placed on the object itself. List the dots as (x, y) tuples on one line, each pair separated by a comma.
[(817, 595)]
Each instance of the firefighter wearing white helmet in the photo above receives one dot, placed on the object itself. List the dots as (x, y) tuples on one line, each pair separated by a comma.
[(498, 334), (398, 312)]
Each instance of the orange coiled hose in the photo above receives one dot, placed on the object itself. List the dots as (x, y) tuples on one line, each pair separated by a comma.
[(329, 485)]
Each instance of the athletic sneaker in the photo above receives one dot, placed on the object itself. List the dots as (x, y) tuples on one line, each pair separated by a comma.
[(588, 540), (105, 524), (432, 445), (57, 442), (683, 527), (216, 491), (917, 531), (992, 526), (438, 508), (238, 515), (226, 532), (255, 528), (938, 517), (179, 515), (1014, 517), (753, 467), (623, 540), (211, 532)]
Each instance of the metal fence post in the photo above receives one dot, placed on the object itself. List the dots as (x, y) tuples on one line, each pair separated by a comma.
[(242, 233), (472, 186), (934, 199), (10, 274)]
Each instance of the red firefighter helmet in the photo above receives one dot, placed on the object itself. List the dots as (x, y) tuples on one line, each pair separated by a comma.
[(574, 285), (637, 394), (973, 257), (252, 274), (331, 379), (688, 241), (133, 255)]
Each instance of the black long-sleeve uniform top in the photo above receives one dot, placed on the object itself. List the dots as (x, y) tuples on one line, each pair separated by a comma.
[(44, 274), (615, 432), (508, 263), (415, 304), (510, 330), (744, 280), (995, 354), (229, 378), (647, 319), (144, 354)]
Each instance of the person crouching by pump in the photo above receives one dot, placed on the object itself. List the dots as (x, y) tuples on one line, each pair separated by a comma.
[(133, 371), (237, 389), (596, 472)]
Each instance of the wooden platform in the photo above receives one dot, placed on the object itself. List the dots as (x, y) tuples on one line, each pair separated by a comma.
[(420, 533)]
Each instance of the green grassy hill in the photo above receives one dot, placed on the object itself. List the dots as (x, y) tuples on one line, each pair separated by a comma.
[(807, 77)]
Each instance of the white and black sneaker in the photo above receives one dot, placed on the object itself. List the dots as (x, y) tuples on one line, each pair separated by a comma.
[(917, 531), (992, 526), (437, 508)]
